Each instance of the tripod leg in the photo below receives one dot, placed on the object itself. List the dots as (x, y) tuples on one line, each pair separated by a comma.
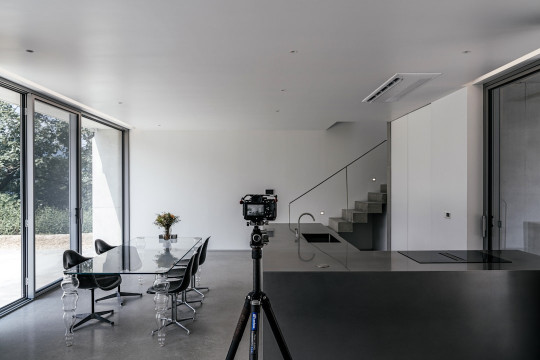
[(242, 321), (278, 335), (254, 334)]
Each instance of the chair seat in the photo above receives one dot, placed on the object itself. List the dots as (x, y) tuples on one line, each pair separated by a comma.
[(108, 282), (173, 287), (176, 272), (182, 262)]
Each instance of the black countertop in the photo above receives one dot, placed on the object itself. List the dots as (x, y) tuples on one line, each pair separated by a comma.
[(284, 254)]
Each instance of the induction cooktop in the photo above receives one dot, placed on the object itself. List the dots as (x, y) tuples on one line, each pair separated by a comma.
[(453, 257)]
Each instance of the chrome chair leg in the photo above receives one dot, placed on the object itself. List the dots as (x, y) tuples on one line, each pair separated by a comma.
[(183, 301), (173, 320), (194, 288), (191, 307), (198, 292)]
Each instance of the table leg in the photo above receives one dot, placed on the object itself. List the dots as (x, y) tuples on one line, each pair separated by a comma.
[(69, 284), (161, 286)]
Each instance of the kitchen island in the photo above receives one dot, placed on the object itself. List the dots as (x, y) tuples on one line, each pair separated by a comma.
[(334, 301)]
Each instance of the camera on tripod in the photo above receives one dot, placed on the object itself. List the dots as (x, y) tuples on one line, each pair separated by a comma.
[(259, 209)]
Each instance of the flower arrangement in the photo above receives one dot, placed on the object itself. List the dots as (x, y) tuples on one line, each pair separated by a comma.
[(166, 220)]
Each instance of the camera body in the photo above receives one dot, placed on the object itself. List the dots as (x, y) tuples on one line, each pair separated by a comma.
[(259, 209)]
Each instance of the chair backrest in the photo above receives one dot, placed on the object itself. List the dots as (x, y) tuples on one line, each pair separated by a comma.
[(203, 252), (101, 246), (184, 283), (72, 258), (197, 257)]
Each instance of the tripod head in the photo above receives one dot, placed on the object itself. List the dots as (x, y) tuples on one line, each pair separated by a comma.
[(259, 238)]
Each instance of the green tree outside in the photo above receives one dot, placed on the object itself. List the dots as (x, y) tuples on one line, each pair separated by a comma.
[(51, 164)]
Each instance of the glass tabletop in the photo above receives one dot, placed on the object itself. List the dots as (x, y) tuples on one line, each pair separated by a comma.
[(145, 255)]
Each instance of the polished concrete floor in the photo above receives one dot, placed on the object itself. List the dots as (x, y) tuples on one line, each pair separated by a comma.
[(36, 331)]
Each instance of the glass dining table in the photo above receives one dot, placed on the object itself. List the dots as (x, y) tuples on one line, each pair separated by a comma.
[(144, 255)]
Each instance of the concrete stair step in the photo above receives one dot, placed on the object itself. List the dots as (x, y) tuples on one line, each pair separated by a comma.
[(384, 188), (354, 216), (373, 207), (340, 225), (377, 197)]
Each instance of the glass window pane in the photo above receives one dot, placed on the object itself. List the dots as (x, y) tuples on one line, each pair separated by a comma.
[(101, 179), (10, 197), (519, 164), (51, 191)]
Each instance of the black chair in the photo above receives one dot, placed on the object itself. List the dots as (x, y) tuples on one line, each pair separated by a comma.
[(91, 282), (196, 269), (179, 271), (177, 287), (201, 261), (101, 247)]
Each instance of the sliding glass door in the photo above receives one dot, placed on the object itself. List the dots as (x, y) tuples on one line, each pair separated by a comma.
[(62, 185), (514, 194), (11, 264), (101, 184), (53, 179)]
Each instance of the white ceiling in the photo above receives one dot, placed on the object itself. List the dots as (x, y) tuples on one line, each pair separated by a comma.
[(216, 64)]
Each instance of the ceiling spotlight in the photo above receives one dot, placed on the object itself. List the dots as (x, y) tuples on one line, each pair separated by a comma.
[(283, 90), (29, 50), (374, 179), (466, 52), (293, 52)]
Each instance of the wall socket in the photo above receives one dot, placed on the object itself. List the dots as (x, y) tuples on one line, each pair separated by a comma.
[(447, 215)]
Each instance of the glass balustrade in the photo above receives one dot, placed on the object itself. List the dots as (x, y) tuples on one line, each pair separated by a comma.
[(350, 203)]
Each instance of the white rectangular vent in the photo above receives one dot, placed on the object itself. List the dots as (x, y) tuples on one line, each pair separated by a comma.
[(398, 86)]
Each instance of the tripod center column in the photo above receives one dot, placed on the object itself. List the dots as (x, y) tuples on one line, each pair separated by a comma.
[(256, 255)]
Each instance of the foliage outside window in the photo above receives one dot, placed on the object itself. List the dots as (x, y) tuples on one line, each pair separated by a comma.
[(51, 155)]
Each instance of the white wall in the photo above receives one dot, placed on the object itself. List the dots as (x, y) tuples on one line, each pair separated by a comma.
[(201, 176), (107, 185), (436, 164)]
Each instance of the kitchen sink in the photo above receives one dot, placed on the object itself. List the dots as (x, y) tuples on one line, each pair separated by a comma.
[(320, 238)]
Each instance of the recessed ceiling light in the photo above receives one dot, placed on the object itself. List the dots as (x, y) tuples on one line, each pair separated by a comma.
[(466, 52), (120, 103), (158, 124), (283, 90), (277, 110), (29, 50), (293, 52)]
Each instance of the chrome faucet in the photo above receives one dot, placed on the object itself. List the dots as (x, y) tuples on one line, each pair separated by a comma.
[(297, 230)]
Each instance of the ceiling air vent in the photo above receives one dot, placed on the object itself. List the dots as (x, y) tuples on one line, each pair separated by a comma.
[(398, 86)]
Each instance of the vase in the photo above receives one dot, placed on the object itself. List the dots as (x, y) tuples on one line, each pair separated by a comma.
[(167, 234)]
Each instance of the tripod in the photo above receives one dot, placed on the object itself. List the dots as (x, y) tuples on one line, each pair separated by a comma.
[(252, 304)]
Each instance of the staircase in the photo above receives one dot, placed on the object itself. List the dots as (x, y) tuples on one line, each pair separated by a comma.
[(356, 225)]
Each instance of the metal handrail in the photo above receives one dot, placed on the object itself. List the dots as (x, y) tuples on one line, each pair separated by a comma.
[(331, 176)]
